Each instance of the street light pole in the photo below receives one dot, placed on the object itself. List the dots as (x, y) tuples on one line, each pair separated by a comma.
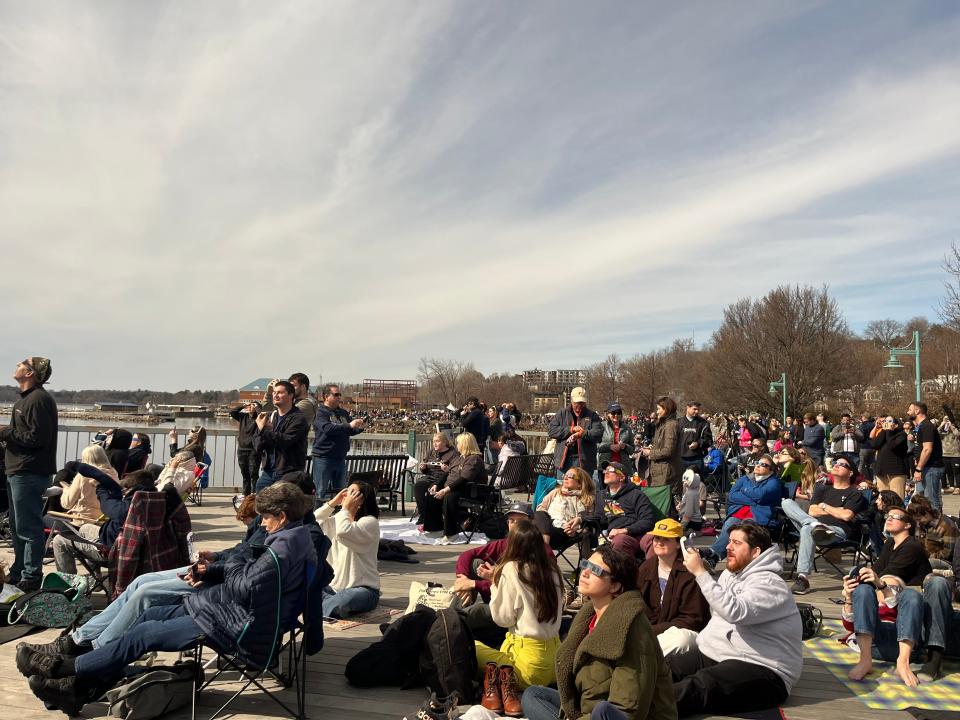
[(782, 384), (907, 351)]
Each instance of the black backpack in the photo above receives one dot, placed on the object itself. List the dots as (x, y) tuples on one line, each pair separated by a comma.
[(448, 659), (393, 660), (811, 619)]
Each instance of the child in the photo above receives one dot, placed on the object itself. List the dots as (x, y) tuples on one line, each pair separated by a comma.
[(689, 505)]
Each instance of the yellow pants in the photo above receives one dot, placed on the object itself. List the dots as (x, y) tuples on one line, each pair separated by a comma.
[(534, 661)]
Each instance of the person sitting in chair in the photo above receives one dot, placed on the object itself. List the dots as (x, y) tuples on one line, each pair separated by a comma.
[(434, 470), (440, 504), (238, 610), (561, 513), (623, 510)]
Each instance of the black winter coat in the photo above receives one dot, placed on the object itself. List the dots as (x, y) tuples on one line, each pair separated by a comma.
[(31, 437)]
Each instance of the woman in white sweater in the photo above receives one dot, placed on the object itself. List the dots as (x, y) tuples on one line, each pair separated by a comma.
[(527, 598), (355, 534)]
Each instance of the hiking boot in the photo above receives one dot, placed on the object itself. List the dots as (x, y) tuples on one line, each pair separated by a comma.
[(491, 689), (509, 692), (63, 645), (29, 585), (67, 695), (439, 708), (572, 600), (31, 662), (822, 534), (801, 586)]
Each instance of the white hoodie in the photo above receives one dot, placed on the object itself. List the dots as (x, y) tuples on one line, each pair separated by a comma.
[(754, 618)]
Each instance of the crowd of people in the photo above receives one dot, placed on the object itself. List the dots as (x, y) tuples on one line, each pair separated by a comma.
[(652, 630)]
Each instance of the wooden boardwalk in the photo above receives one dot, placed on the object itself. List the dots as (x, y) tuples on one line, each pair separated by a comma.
[(818, 696)]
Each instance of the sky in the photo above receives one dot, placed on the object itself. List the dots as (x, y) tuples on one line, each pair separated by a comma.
[(194, 195)]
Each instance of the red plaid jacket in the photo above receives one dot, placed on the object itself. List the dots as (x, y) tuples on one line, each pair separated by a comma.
[(151, 539)]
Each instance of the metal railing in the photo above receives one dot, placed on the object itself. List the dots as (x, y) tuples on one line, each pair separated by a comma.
[(222, 447)]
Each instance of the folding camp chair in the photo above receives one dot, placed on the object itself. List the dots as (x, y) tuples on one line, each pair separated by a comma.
[(201, 475), (294, 648), (98, 570)]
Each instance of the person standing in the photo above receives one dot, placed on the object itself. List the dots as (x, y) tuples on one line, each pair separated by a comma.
[(664, 451), (814, 438), (928, 474), (695, 438), (617, 443), (577, 430), (332, 430), (950, 440), (31, 461), (248, 460), (281, 436), (302, 397), (891, 464)]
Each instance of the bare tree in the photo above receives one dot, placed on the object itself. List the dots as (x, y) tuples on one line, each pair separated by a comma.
[(447, 381), (604, 380), (885, 333), (796, 330), (949, 310), (644, 380)]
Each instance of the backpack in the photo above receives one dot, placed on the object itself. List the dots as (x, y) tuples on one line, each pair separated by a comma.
[(811, 620), (448, 658), (393, 660), (153, 693), (52, 607)]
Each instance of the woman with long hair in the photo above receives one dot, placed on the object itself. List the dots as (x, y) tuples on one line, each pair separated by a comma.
[(79, 497), (791, 469), (610, 664), (560, 515), (664, 452), (355, 536), (526, 596)]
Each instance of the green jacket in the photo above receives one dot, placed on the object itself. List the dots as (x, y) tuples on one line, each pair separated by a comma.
[(620, 661)]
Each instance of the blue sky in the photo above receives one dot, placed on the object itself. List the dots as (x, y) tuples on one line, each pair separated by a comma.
[(195, 195)]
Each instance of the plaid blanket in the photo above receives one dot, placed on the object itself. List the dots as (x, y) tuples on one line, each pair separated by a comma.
[(151, 539), (881, 690)]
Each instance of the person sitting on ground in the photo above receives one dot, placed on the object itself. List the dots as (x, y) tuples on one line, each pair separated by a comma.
[(690, 503), (903, 562), (115, 499), (79, 496), (232, 590), (444, 499), (561, 514), (753, 497), (832, 516), (526, 597), (942, 622), (609, 665), (434, 469), (624, 511), (676, 608), (355, 533), (750, 654), (936, 531), (168, 587)]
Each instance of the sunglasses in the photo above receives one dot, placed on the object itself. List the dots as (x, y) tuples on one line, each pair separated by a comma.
[(764, 464), (337, 394), (843, 465), (593, 568), (901, 518)]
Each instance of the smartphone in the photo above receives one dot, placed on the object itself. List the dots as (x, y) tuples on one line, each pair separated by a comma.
[(684, 548)]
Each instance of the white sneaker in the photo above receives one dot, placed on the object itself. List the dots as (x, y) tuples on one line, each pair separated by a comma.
[(445, 541)]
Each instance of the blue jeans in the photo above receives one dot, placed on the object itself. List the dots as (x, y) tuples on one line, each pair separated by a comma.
[(805, 525), (908, 627), (340, 604), (167, 628), (941, 621), (25, 496), (719, 548), (541, 703), (265, 480), (329, 476), (931, 485), (147, 591)]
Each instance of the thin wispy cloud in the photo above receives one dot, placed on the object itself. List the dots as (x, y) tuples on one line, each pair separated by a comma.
[(192, 196)]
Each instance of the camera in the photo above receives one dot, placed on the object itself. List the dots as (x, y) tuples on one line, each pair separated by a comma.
[(100, 439)]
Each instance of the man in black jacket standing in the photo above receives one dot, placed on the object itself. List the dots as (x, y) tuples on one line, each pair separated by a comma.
[(248, 460), (281, 436), (332, 430), (695, 438), (578, 430), (31, 460)]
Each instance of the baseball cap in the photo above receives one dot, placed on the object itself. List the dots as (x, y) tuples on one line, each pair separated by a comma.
[(615, 465), (668, 528), (578, 394), (614, 407), (521, 507)]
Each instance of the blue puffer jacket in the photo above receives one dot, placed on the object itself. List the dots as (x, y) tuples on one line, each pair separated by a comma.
[(761, 497), (247, 603)]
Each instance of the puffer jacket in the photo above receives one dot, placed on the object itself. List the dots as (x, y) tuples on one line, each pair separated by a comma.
[(665, 465), (626, 439), (247, 604), (761, 496), (620, 662)]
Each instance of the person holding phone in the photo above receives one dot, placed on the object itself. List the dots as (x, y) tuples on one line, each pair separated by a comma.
[(892, 464)]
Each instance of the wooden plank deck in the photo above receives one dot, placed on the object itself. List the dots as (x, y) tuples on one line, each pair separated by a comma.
[(818, 695)]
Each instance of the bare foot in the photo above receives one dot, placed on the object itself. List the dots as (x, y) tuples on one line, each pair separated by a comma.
[(906, 674), (860, 670)]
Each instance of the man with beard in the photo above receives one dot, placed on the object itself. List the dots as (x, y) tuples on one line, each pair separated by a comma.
[(750, 654), (928, 474)]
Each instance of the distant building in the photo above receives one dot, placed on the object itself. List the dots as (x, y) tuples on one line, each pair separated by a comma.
[(117, 407), (553, 380), (255, 390), (387, 395), (546, 402)]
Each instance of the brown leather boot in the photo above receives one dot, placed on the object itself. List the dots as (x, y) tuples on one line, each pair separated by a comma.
[(509, 692), (491, 689)]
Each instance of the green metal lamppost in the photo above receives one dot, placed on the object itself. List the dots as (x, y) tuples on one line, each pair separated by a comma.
[(782, 384), (893, 363)]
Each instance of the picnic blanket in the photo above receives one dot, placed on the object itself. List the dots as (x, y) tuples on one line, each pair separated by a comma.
[(881, 690), (406, 530), (379, 614)]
